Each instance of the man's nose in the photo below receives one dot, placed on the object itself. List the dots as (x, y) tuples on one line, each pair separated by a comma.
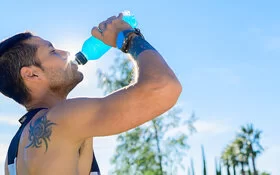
[(67, 54), (64, 54)]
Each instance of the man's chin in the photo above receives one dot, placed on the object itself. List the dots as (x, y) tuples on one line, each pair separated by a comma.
[(79, 79)]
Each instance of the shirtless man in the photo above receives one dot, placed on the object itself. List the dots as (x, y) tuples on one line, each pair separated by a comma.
[(58, 138)]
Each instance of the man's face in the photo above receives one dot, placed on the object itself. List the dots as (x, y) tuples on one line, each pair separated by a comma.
[(60, 73)]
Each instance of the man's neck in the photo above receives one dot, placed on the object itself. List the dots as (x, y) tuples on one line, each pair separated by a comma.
[(46, 102)]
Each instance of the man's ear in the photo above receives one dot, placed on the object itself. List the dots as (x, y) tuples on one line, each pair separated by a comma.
[(29, 73)]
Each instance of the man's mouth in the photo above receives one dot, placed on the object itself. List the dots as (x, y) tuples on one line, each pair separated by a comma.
[(74, 65)]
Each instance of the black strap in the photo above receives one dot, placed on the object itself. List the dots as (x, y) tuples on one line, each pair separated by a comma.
[(94, 165), (24, 120)]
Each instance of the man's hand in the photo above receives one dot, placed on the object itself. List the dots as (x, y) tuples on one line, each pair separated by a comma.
[(108, 30)]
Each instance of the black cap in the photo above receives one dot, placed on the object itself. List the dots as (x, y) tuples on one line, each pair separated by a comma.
[(81, 58)]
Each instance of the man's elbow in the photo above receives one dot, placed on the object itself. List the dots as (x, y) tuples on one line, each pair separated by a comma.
[(164, 91), (169, 93), (173, 90)]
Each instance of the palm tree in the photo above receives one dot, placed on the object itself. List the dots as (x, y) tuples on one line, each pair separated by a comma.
[(233, 157), (226, 159), (241, 155), (250, 138)]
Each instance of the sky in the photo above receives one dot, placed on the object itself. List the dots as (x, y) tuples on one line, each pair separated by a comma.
[(225, 54)]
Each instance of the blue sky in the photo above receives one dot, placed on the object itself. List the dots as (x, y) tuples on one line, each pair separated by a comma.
[(226, 55)]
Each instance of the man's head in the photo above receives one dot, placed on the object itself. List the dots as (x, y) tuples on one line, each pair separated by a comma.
[(31, 67)]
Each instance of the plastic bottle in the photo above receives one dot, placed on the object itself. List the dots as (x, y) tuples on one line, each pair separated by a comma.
[(94, 48)]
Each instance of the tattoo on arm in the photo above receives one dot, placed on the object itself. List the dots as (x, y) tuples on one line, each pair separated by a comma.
[(138, 45), (40, 132)]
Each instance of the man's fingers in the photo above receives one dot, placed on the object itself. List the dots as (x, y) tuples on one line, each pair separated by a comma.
[(109, 20), (102, 26), (96, 33), (107, 30)]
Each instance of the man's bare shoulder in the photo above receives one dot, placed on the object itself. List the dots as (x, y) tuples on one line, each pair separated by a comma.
[(72, 115), (73, 107)]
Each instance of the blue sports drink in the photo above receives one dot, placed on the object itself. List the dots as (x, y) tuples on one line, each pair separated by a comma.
[(94, 48)]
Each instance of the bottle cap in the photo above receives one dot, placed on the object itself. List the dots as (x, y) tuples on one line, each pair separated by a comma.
[(127, 13), (80, 58)]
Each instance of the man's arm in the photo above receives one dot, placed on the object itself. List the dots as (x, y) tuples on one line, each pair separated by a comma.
[(156, 90)]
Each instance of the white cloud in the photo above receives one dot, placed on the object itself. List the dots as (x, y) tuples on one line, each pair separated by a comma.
[(2, 169), (9, 120), (3, 152), (212, 127), (104, 149)]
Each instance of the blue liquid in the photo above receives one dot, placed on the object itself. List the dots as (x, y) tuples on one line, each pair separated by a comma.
[(94, 48)]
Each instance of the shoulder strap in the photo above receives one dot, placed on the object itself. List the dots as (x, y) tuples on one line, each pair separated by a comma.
[(94, 166), (24, 120)]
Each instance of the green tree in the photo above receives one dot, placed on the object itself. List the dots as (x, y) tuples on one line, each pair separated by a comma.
[(250, 138), (229, 158), (265, 173), (233, 157), (226, 156), (150, 149), (242, 156)]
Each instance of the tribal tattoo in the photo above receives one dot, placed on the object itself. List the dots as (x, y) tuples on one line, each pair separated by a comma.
[(138, 45), (40, 132)]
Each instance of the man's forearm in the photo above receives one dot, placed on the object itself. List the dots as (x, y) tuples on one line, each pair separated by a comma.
[(151, 64)]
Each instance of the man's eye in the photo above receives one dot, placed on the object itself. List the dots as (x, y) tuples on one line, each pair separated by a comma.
[(53, 52)]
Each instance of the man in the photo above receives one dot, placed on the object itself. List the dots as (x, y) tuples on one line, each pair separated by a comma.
[(58, 138)]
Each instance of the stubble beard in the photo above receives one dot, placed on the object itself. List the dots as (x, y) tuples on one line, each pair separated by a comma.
[(62, 81)]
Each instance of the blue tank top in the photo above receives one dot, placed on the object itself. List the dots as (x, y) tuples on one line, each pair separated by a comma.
[(13, 148)]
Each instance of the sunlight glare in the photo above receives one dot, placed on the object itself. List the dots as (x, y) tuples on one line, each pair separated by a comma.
[(72, 48)]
